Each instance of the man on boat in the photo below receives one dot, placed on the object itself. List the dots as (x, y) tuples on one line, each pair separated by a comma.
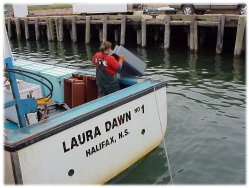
[(106, 70)]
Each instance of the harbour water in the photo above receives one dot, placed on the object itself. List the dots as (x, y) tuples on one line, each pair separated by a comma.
[(206, 103)]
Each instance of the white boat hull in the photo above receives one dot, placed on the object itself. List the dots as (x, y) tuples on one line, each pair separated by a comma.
[(62, 159)]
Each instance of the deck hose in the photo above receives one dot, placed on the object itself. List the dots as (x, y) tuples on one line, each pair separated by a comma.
[(22, 72)]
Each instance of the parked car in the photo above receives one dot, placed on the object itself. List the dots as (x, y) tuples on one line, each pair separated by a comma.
[(189, 9)]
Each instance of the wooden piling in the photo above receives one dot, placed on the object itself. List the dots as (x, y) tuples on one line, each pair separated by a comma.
[(56, 21), (220, 34), (100, 34), (166, 31), (104, 20), (37, 32), (240, 35), (116, 35), (9, 28), (139, 37), (191, 34), (18, 28), (61, 32), (26, 26), (195, 36), (48, 30), (143, 32), (123, 28), (51, 29), (88, 30), (74, 32)]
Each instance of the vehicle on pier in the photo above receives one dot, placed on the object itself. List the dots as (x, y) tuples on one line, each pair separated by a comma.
[(189, 9)]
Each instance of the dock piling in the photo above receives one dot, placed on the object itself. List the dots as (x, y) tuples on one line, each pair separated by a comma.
[(74, 32), (104, 19), (100, 34), (191, 34), (220, 34), (123, 28), (18, 28), (9, 28), (51, 29), (139, 37), (26, 26), (116, 38), (48, 30), (37, 32), (88, 30), (240, 35), (195, 36), (143, 32), (61, 32), (166, 32)]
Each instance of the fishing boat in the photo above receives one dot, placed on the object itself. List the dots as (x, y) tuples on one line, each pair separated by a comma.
[(52, 138)]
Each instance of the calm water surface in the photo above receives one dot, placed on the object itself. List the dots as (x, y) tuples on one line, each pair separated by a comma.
[(206, 97)]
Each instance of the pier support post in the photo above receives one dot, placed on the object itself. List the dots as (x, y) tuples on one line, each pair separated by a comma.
[(156, 36), (56, 21), (100, 34), (240, 35), (9, 28), (60, 29), (88, 30), (123, 28), (74, 32), (37, 32), (26, 26), (139, 37), (18, 28), (104, 19), (51, 27), (166, 32), (116, 36), (195, 36), (191, 34), (143, 32), (220, 34), (48, 30)]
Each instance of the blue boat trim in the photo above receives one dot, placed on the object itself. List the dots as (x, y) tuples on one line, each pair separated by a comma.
[(24, 137)]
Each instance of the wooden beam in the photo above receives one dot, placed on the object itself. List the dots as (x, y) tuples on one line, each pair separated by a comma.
[(61, 31), (143, 32), (74, 31), (122, 33), (104, 19), (18, 28), (88, 30), (240, 35), (166, 32), (220, 34)]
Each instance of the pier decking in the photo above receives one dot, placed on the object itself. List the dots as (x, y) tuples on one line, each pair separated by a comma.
[(54, 28)]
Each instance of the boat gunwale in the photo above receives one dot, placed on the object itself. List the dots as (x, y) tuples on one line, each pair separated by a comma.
[(12, 147)]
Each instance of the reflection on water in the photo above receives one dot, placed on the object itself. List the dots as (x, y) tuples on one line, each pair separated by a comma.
[(206, 111)]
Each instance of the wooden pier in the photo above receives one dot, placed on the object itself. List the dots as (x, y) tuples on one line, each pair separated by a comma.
[(54, 28)]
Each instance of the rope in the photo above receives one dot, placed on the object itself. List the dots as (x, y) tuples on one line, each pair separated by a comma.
[(165, 149)]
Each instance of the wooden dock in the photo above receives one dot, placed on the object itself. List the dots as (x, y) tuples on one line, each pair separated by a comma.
[(54, 28)]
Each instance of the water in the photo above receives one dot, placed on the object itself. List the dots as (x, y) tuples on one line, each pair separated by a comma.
[(206, 111)]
